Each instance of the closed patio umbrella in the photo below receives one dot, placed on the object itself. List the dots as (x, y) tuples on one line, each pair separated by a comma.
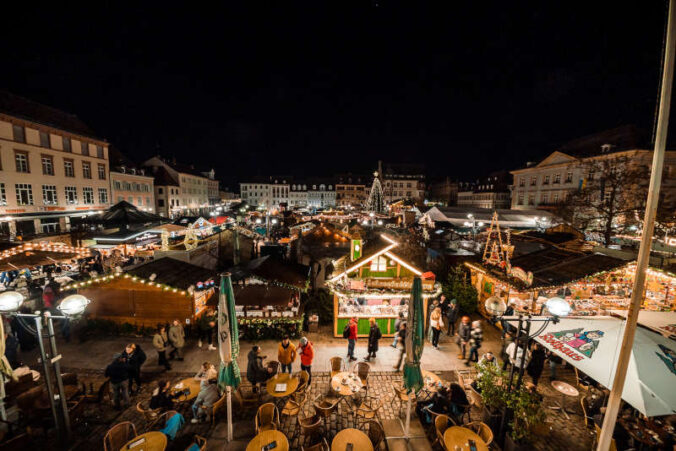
[(415, 336)]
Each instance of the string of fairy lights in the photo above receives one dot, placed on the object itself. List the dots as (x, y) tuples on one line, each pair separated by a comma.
[(46, 247), (135, 279)]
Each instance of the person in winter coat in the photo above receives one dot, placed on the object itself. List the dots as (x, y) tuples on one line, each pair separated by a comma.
[(207, 371), (506, 327), (177, 340), (475, 340), (451, 317), (397, 323), (160, 341), (255, 371), (538, 355), (206, 326), (488, 359), (516, 354), (509, 339), (352, 339), (286, 354), (206, 398), (401, 344), (464, 332), (374, 335), (135, 357), (307, 353), (162, 398), (118, 372), (436, 323)]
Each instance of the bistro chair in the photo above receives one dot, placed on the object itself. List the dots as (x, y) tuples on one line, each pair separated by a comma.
[(335, 365), (304, 377), (367, 409), (401, 397), (246, 397), (274, 366), (150, 415), (164, 417), (582, 385), (198, 441), (441, 423), (294, 406), (362, 369), (216, 408), (588, 421), (325, 408), (267, 417), (482, 430), (475, 399), (376, 433), (118, 435), (309, 426), (321, 446)]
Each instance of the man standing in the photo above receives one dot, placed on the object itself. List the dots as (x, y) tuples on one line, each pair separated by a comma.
[(177, 339), (135, 357), (118, 372), (452, 317), (160, 344), (307, 354), (464, 334), (352, 339), (206, 325), (374, 335), (401, 344), (286, 354)]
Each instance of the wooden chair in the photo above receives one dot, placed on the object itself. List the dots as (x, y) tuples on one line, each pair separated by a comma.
[(75, 410), (613, 444), (246, 397), (199, 441), (274, 366), (335, 365), (367, 410), (321, 446), (217, 407), (475, 399), (118, 435), (482, 430), (325, 407), (376, 433), (267, 417), (401, 397), (582, 386), (309, 426), (441, 423), (304, 377), (164, 418), (362, 369), (150, 415), (466, 410), (294, 406), (588, 421)]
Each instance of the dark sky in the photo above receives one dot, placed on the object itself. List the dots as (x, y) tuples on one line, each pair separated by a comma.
[(321, 87)]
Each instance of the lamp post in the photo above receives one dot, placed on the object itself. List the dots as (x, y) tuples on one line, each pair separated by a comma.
[(72, 305)]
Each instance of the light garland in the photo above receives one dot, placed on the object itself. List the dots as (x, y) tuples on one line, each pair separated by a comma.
[(136, 279), (46, 247), (348, 294)]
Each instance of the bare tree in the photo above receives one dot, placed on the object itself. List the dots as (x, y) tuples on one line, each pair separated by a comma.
[(611, 195)]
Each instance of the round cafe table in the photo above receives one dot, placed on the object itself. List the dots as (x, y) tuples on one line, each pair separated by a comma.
[(150, 441), (565, 390), (460, 437), (359, 440), (282, 378), (352, 382), (264, 438), (190, 383), (431, 380)]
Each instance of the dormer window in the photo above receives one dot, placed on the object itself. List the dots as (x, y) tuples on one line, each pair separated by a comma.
[(379, 264)]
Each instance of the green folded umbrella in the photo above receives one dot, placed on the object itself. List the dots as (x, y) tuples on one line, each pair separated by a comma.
[(415, 336)]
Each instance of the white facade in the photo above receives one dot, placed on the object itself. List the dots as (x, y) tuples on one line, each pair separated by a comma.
[(298, 196), (187, 193), (134, 187), (271, 194), (403, 187), (485, 199), (321, 195)]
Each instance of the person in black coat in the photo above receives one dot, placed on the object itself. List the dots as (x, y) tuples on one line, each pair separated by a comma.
[(255, 371), (162, 397), (135, 357), (118, 372), (536, 364), (374, 335), (451, 316)]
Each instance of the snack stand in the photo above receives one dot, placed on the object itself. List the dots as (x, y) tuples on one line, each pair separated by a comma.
[(375, 283)]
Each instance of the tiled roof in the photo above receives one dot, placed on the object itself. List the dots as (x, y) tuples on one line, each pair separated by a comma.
[(30, 110), (163, 178)]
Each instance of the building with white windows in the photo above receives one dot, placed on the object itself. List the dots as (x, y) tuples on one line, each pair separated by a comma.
[(351, 190), (213, 187), (271, 193), (402, 181), (490, 192), (321, 194), (54, 170), (130, 183)]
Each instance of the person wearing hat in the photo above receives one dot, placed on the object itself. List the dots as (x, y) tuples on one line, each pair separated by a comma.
[(286, 354), (307, 354)]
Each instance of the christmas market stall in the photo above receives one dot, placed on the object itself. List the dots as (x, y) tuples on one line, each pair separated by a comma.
[(592, 283), (156, 292), (374, 281)]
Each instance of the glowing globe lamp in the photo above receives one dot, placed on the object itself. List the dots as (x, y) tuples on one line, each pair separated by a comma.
[(495, 306), (74, 304), (558, 307), (10, 301)]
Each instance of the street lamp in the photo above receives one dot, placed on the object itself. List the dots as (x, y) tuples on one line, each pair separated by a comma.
[(10, 302)]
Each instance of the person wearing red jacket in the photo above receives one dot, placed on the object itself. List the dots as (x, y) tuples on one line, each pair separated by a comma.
[(307, 353), (352, 339)]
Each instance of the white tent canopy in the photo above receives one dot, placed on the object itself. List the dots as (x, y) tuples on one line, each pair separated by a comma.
[(593, 344), (457, 216)]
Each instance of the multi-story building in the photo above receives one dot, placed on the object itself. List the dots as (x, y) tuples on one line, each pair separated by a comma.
[(549, 182), (181, 189), (443, 191), (130, 183), (489, 192), (53, 168), (267, 192), (213, 187), (321, 194), (402, 181), (298, 194), (351, 190)]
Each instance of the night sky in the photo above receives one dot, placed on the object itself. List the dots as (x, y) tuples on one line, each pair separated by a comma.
[(322, 87)]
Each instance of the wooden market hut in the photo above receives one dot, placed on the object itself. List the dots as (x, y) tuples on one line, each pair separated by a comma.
[(156, 292)]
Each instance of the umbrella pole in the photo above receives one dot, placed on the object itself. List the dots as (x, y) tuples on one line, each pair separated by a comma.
[(408, 417), (229, 391), (606, 436)]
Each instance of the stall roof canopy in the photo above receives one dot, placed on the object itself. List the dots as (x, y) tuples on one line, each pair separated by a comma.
[(270, 268), (33, 258), (175, 273), (457, 216), (257, 294), (123, 213)]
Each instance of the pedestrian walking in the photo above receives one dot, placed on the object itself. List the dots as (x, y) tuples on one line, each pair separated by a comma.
[(206, 326), (397, 323), (374, 335), (177, 340), (351, 338), (307, 354), (401, 345), (464, 333), (436, 323), (160, 341), (538, 355), (451, 317), (118, 373), (286, 354), (135, 357), (475, 340)]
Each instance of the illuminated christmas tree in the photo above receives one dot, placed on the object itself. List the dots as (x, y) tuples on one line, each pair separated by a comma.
[(376, 202)]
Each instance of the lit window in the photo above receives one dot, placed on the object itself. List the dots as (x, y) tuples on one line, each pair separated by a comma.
[(103, 196), (22, 162), (24, 194), (71, 195), (102, 171), (88, 196), (379, 264), (68, 169), (47, 165), (86, 170), (49, 195), (3, 196)]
